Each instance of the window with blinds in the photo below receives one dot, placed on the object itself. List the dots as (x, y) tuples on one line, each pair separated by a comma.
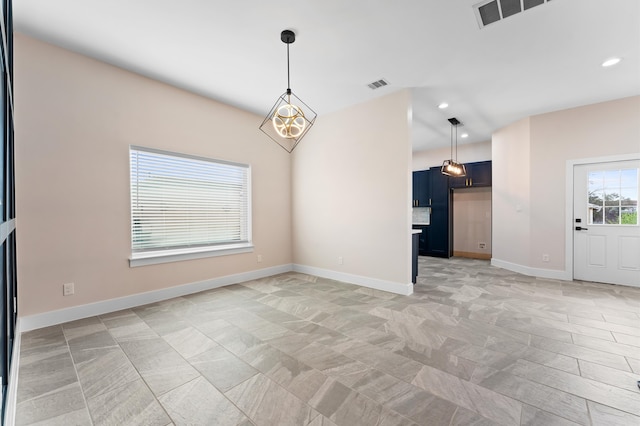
[(182, 203)]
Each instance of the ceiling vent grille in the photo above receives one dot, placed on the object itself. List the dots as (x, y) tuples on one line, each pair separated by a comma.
[(378, 84), (490, 11)]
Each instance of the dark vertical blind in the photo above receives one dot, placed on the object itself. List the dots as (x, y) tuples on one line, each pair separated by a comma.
[(8, 279)]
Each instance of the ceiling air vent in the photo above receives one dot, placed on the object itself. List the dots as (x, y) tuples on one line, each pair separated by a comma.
[(378, 84), (528, 4), (490, 11), (510, 7)]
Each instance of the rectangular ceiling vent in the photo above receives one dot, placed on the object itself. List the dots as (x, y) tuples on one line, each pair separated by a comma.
[(490, 11), (378, 84)]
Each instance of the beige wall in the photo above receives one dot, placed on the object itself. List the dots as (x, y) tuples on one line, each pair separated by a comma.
[(352, 191), (529, 170), (467, 153), (510, 186), (599, 130), (75, 119)]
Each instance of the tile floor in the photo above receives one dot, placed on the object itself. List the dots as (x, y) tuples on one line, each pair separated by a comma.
[(474, 345)]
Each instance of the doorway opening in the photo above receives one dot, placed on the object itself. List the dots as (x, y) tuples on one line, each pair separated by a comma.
[(471, 223)]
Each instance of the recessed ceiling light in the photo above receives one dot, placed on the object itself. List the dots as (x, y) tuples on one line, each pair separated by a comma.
[(464, 135), (443, 105), (610, 62)]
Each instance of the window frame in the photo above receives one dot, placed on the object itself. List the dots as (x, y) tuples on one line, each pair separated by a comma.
[(173, 254), (606, 190)]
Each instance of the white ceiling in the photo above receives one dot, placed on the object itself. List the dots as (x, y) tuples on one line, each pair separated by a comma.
[(544, 59)]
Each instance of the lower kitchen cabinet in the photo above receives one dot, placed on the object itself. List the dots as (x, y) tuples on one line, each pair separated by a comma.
[(434, 240), (438, 235), (414, 257), (422, 239)]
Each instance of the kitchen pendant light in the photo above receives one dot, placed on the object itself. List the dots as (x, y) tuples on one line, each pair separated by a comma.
[(290, 118), (451, 167)]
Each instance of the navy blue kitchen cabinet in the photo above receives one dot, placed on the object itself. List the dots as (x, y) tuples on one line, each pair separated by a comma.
[(423, 239), (433, 189), (481, 173), (438, 235), (421, 188), (414, 257), (478, 175)]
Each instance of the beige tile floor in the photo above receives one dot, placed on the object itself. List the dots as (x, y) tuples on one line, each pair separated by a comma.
[(474, 345)]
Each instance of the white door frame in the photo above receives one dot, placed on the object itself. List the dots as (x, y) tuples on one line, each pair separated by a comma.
[(568, 255)]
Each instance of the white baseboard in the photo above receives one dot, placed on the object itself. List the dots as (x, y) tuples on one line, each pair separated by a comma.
[(390, 286), (532, 272), (12, 387), (46, 319)]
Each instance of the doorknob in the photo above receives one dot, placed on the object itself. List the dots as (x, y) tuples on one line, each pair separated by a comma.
[(580, 228)]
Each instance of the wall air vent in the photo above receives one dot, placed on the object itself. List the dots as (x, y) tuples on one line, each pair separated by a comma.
[(378, 84), (490, 11)]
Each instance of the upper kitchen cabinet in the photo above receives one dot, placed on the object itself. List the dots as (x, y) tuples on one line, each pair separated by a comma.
[(478, 175), (422, 188), (481, 173)]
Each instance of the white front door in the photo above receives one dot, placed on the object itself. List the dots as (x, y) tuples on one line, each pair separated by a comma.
[(606, 233)]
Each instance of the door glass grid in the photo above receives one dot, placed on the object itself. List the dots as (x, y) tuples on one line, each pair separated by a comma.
[(613, 197)]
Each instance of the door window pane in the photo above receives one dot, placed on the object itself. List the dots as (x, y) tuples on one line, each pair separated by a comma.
[(613, 197), (612, 215), (629, 178), (612, 179), (596, 198)]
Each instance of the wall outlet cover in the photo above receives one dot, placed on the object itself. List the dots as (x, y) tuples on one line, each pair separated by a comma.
[(68, 289)]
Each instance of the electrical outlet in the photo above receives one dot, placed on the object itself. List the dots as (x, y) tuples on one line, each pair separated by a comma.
[(259, 258), (545, 257), (482, 245), (340, 260), (67, 289)]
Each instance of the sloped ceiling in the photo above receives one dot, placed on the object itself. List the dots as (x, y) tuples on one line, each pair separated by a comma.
[(543, 59)]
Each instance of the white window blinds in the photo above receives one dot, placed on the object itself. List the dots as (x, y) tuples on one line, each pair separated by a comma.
[(180, 201)]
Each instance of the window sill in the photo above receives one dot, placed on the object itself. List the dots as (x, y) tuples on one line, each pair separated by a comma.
[(166, 256)]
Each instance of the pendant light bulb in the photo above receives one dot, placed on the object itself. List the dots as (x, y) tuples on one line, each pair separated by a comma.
[(288, 121)]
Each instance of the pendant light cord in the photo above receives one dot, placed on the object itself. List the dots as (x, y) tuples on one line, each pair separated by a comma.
[(288, 73), (451, 139), (456, 143)]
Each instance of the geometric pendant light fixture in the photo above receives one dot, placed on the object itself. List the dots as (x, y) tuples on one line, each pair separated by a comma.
[(290, 118), (451, 167)]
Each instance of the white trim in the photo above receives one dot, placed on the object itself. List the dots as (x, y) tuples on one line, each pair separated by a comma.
[(390, 286), (166, 256), (12, 388), (568, 254), (553, 274), (60, 316)]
